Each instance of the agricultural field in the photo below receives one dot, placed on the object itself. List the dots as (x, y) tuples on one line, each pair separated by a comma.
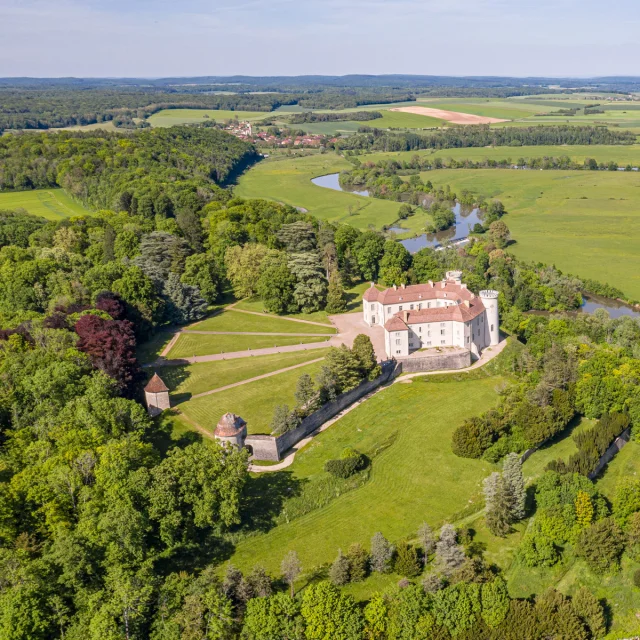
[(289, 181), (254, 401), (53, 204), (172, 117), (414, 474), (586, 223)]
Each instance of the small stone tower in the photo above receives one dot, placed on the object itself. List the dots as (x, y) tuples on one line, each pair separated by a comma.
[(231, 429), (454, 276), (156, 395), (490, 300)]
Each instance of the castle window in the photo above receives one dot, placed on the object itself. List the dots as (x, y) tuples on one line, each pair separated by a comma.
[(441, 332), (428, 344), (442, 324), (373, 306), (491, 327), (400, 308), (419, 329), (441, 341), (398, 351), (419, 306), (411, 307), (398, 341)]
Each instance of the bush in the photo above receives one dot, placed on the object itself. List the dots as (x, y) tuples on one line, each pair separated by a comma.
[(349, 463), (407, 563), (474, 436), (601, 545), (636, 578)]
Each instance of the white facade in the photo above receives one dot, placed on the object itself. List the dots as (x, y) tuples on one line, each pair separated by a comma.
[(433, 315)]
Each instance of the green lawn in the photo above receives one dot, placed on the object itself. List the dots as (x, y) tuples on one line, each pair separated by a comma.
[(196, 344), (289, 181), (236, 321), (151, 350), (171, 117), (254, 401), (205, 376), (622, 154), (53, 204), (585, 222), (414, 476)]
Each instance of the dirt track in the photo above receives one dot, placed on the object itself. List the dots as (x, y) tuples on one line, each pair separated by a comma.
[(455, 117)]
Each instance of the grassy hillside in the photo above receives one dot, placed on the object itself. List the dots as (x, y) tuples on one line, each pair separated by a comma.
[(172, 117), (53, 204)]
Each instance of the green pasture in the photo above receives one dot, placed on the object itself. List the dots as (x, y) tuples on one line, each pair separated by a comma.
[(53, 204), (254, 401), (585, 222), (205, 376), (488, 108), (402, 120), (171, 117), (289, 181), (230, 320), (197, 344), (622, 154), (406, 430)]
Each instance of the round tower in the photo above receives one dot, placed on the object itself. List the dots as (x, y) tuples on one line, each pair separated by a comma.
[(454, 276), (490, 300), (231, 429)]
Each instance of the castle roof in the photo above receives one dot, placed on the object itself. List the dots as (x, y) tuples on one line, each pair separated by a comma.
[(230, 425), (446, 289), (156, 385), (463, 312)]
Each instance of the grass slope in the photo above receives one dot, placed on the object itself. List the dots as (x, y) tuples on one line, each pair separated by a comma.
[(415, 478), (53, 204), (236, 321), (172, 117), (254, 401), (205, 376), (289, 181), (196, 344), (586, 223)]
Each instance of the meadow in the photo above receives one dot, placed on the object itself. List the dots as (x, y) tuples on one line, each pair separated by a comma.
[(230, 320), (195, 344), (289, 181), (254, 401), (414, 475), (52, 204), (586, 223), (172, 117)]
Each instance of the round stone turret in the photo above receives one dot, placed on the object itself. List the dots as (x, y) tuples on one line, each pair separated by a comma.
[(231, 429), (489, 298)]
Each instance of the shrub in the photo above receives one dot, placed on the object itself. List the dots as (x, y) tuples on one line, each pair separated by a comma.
[(358, 563), (349, 463), (473, 437), (601, 545), (407, 563)]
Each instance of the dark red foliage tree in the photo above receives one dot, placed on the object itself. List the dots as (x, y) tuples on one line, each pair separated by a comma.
[(111, 345), (56, 320), (112, 304), (20, 330)]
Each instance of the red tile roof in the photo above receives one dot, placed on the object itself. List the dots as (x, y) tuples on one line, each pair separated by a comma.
[(455, 312), (230, 425), (416, 292), (156, 385)]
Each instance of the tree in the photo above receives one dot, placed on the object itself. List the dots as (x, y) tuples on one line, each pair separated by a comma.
[(499, 233), (495, 602), (345, 367), (339, 571), (330, 614), (601, 545), (305, 393), (381, 553), (376, 614), (632, 531), (284, 420), (358, 563), (584, 509), (449, 554), (394, 264), (277, 616), (310, 291), (243, 266), (427, 541), (368, 250), (162, 253), (260, 582), (138, 290), (183, 303), (111, 345), (291, 569), (201, 271), (297, 237), (363, 350), (514, 486), (276, 284), (336, 297), (590, 611), (498, 505), (426, 266), (406, 563)]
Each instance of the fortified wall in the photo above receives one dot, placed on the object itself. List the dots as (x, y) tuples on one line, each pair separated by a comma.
[(458, 360)]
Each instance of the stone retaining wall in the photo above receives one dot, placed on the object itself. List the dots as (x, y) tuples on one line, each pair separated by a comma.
[(610, 453), (271, 447), (457, 360)]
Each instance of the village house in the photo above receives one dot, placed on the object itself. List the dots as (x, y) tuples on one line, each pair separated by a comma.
[(433, 315)]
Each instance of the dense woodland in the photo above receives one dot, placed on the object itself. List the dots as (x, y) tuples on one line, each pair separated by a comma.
[(369, 139), (110, 529)]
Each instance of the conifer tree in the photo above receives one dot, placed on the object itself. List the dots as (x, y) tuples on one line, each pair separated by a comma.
[(339, 571), (358, 563), (589, 610), (336, 298), (449, 554), (584, 509), (291, 569), (427, 541), (407, 560), (381, 553), (498, 505), (514, 485)]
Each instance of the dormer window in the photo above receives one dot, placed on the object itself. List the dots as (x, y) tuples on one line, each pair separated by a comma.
[(400, 298)]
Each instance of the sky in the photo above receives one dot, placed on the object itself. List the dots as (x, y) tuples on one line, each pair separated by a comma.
[(161, 38)]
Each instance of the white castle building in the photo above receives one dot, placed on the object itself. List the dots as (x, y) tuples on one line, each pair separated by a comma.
[(436, 314)]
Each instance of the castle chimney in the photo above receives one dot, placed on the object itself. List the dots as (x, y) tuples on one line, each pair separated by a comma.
[(395, 288), (431, 283), (402, 285), (466, 303), (406, 316)]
